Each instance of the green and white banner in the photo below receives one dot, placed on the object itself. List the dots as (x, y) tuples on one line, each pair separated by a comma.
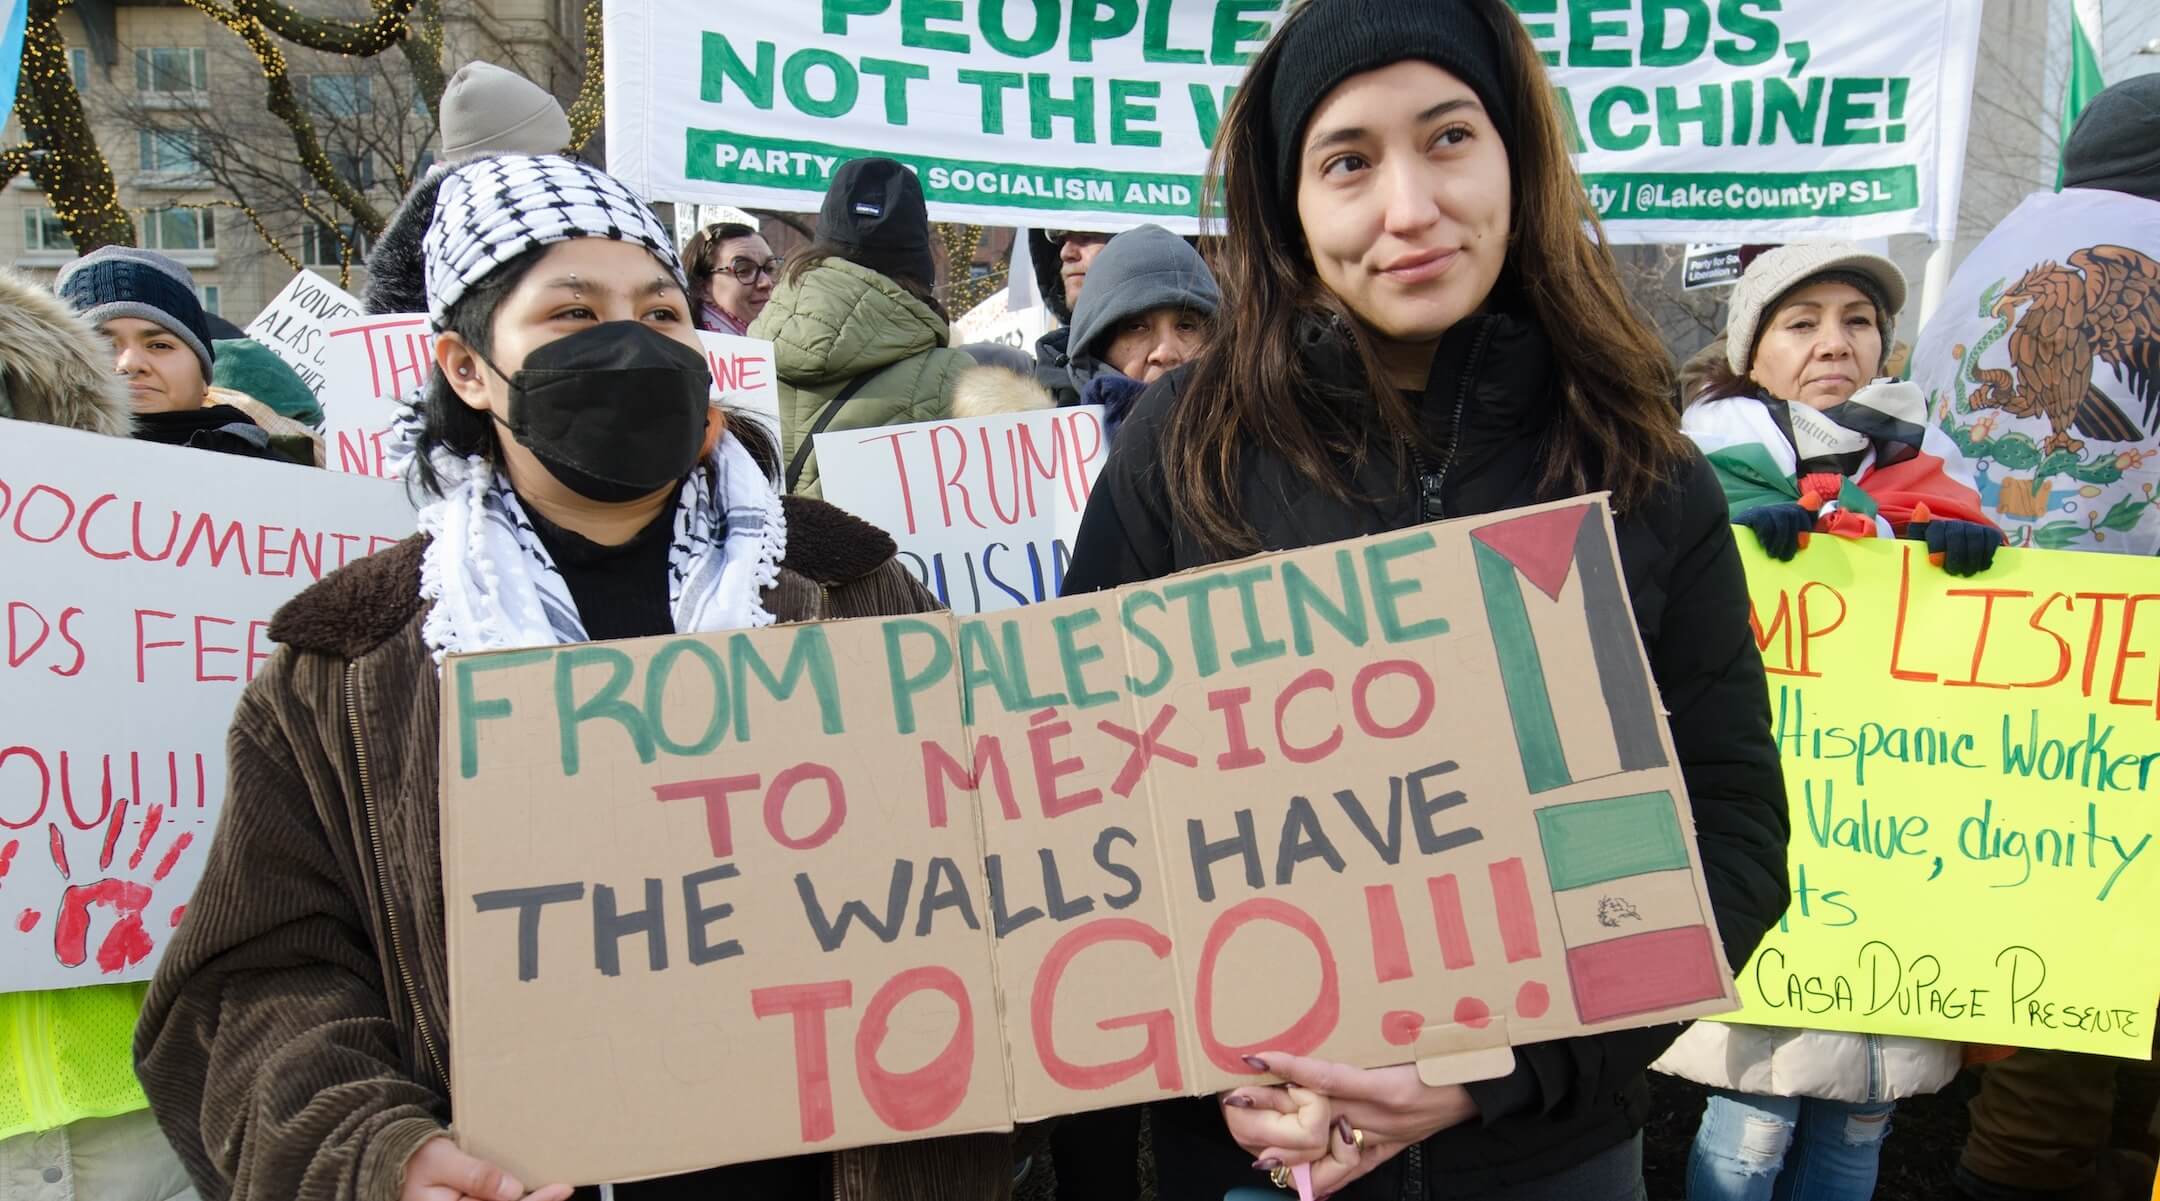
[(1761, 121), (1694, 120), (1079, 114)]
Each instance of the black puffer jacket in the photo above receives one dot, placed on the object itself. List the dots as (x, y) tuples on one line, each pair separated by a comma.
[(1491, 397)]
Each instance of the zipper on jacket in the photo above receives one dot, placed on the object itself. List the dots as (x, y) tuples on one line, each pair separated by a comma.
[(1431, 506), (375, 847)]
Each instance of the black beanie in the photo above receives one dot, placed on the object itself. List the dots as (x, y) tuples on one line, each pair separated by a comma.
[(1332, 40), (874, 211)]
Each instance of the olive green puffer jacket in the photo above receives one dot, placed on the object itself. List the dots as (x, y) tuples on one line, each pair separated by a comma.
[(840, 321)]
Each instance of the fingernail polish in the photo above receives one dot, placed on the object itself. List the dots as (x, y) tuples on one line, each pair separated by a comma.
[(1342, 1130), (1236, 1102), (1256, 1063), (1266, 1165)]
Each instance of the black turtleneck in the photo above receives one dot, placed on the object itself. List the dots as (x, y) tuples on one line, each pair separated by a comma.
[(620, 591)]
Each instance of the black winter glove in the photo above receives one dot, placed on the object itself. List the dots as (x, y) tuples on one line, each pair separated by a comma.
[(1962, 548), (1780, 528)]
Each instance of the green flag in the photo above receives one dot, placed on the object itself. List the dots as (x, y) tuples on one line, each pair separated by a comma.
[(2085, 78)]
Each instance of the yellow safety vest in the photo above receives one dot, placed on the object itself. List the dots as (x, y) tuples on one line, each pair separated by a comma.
[(68, 1054)]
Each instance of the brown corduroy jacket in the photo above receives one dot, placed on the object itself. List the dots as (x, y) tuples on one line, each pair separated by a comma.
[(295, 1041)]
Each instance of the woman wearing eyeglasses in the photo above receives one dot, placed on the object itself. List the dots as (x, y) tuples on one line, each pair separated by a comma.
[(732, 273)]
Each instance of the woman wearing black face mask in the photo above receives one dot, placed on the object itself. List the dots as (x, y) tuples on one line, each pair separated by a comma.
[(579, 487)]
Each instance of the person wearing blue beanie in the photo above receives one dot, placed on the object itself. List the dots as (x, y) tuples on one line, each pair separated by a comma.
[(145, 304)]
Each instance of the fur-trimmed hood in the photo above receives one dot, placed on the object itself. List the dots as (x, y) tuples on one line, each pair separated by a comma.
[(58, 370), (988, 391)]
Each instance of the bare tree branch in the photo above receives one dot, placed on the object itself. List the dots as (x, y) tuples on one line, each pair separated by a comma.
[(280, 100)]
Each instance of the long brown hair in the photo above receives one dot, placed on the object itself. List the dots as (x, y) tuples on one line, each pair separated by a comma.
[(1617, 427)]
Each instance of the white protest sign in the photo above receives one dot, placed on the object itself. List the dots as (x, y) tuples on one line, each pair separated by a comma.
[(1011, 114), (994, 323), (375, 361), (984, 508), (1741, 122), (138, 582), (743, 376), (690, 218), (295, 325)]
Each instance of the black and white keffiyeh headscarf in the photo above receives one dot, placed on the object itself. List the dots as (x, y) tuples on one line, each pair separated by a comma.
[(492, 583)]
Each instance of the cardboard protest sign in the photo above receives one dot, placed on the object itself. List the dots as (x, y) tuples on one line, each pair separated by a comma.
[(743, 376), (375, 360), (1067, 116), (138, 582), (295, 325), (984, 509), (1971, 766), (810, 887), (1760, 124)]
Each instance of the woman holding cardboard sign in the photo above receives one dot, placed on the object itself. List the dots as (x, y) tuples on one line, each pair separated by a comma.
[(579, 487), (1415, 327)]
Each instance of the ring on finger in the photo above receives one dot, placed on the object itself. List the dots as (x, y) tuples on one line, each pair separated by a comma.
[(1279, 1177), (1357, 1137)]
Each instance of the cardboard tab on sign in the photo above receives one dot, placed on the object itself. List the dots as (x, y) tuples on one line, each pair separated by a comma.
[(1407, 798)]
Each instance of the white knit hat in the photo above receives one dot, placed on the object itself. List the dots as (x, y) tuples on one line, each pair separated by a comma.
[(489, 110), (1778, 271)]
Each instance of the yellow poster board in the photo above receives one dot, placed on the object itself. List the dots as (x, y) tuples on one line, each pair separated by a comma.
[(1973, 767)]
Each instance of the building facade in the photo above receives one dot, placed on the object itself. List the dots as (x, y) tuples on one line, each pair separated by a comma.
[(212, 179)]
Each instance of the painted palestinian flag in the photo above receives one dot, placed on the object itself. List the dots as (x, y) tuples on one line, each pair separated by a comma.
[(1636, 936), (1574, 613)]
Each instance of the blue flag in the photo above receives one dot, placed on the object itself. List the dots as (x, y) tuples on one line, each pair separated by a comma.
[(11, 51)]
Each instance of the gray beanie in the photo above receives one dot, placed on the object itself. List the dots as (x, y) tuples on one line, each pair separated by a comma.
[(1777, 272), (122, 281), (489, 110), (1138, 271), (2116, 144)]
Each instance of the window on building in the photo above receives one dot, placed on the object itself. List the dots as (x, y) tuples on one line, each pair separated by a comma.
[(43, 231), (178, 151), (208, 294), (325, 245), (179, 229), (341, 95), (357, 169), (172, 69), (79, 67)]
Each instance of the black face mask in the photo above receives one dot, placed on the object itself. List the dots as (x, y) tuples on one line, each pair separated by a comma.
[(614, 412)]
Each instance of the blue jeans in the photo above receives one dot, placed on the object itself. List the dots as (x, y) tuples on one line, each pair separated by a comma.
[(1754, 1148)]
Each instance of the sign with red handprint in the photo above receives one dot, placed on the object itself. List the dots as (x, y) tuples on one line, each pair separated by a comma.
[(136, 587)]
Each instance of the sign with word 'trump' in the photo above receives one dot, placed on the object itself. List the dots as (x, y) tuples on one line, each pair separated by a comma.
[(983, 509)]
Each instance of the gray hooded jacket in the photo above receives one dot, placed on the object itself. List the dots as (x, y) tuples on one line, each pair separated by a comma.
[(1139, 271)]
